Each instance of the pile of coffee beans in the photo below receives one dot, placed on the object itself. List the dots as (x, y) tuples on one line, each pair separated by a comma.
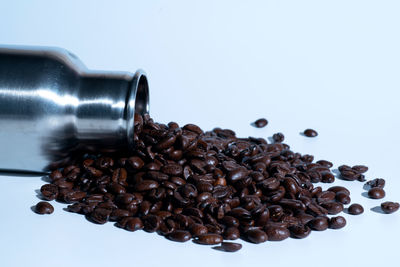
[(186, 184)]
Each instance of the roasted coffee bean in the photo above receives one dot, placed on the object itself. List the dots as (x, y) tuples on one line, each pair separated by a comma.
[(376, 193), (389, 207), (231, 233), (355, 209), (184, 183), (179, 236), (299, 231), (276, 233), (135, 162), (278, 137), (74, 196), (100, 215), (343, 197), (319, 223), (337, 189), (337, 222), (333, 207), (132, 224), (49, 191), (198, 229), (378, 182), (360, 168), (44, 208), (208, 239), (260, 123), (228, 247), (310, 133), (256, 236), (325, 163)]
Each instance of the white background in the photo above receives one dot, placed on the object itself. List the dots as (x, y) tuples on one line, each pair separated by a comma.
[(329, 65)]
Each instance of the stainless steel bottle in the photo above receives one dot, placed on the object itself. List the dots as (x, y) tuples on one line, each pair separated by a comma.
[(51, 105)]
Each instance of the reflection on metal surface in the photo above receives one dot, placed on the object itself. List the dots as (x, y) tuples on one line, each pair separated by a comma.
[(52, 106)]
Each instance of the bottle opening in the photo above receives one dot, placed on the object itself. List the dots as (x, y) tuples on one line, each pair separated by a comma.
[(138, 102)]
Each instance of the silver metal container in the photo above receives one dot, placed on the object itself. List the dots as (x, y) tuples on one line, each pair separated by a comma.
[(52, 106)]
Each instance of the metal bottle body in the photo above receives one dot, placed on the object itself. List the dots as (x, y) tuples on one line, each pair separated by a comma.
[(51, 105)]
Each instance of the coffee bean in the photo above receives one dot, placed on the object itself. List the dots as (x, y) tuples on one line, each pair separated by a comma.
[(136, 162), (319, 223), (100, 215), (278, 137), (146, 185), (256, 236), (299, 231), (355, 209), (198, 229), (231, 233), (49, 191), (337, 189), (325, 163), (360, 168), (310, 133), (337, 222), (260, 123), (179, 236), (208, 239), (333, 207), (44, 208), (132, 223), (343, 197), (376, 193), (228, 247), (389, 207), (74, 196), (277, 233), (378, 182)]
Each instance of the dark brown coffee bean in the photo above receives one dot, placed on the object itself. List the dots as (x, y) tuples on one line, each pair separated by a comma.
[(208, 239), (100, 215), (276, 233), (74, 196), (360, 168), (179, 236), (172, 169), (118, 214), (193, 128), (378, 182), (278, 137), (333, 207), (260, 123), (146, 185), (151, 223), (237, 174), (232, 233), (319, 223), (390, 207), (132, 224), (355, 209), (310, 133), (325, 163), (198, 229), (337, 189), (299, 231), (256, 236), (44, 208), (55, 175), (136, 162), (228, 247), (337, 222), (49, 191), (376, 193), (343, 197)]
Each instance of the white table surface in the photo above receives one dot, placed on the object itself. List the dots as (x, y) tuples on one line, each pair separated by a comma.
[(329, 65)]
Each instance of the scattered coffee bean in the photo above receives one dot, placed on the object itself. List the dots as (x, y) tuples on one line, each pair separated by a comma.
[(337, 222), (184, 183), (278, 137), (310, 133), (260, 123), (44, 208), (355, 209), (256, 236), (389, 207), (376, 193), (378, 182)]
